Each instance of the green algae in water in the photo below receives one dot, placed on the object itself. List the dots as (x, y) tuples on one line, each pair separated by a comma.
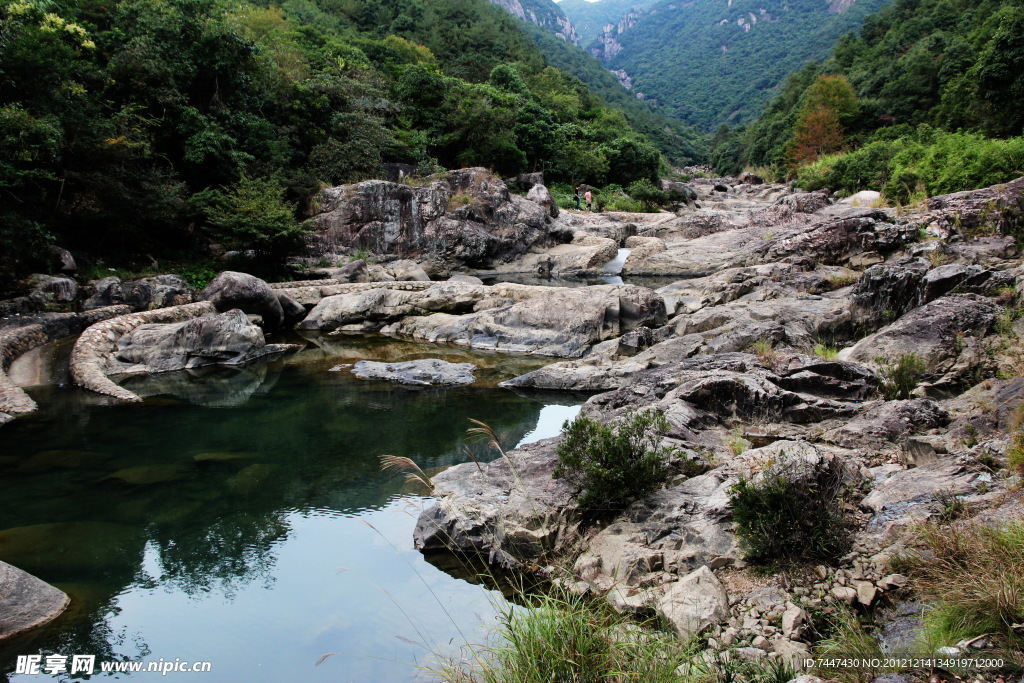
[(170, 546)]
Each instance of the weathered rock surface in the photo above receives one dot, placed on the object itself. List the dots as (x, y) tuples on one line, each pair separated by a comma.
[(902, 497), (780, 279), (26, 602), (37, 330), (213, 339), (95, 346), (657, 539), (511, 516), (695, 602), (232, 289), (426, 372), (547, 321), (407, 271), (945, 334), (886, 424), (47, 288), (467, 219), (146, 294)]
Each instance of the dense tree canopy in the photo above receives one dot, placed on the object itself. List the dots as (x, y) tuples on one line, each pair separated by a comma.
[(144, 125), (916, 67)]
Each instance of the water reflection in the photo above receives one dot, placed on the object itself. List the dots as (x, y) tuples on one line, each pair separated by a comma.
[(225, 517)]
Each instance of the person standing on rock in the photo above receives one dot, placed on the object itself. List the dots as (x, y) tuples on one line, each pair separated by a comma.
[(589, 197), (576, 197)]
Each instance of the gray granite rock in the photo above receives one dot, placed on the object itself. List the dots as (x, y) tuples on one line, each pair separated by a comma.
[(426, 372)]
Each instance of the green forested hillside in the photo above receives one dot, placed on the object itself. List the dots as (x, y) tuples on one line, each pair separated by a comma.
[(682, 144), (714, 61), (139, 126), (917, 68), (590, 18)]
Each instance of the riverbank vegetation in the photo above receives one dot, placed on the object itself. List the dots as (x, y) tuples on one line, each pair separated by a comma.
[(924, 101), (135, 127)]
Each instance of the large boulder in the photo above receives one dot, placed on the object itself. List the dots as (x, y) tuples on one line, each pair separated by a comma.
[(252, 295), (887, 424), (999, 206), (406, 270), (540, 195), (468, 218), (887, 291), (511, 509), (356, 271), (26, 602), (550, 321), (161, 291), (694, 603), (50, 289), (945, 334), (220, 339)]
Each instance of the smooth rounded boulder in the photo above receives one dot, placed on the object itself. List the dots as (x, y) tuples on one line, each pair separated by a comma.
[(26, 602), (252, 295)]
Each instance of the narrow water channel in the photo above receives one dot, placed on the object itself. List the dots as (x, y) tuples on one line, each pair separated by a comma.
[(239, 517)]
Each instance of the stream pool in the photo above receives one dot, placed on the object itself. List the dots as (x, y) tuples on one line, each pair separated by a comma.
[(240, 517)]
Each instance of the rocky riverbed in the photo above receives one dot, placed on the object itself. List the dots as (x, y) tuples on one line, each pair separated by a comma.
[(776, 339)]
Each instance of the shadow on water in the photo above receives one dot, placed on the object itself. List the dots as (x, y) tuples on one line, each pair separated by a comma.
[(219, 516)]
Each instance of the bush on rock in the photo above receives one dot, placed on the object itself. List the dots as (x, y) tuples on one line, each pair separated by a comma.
[(791, 511), (610, 466)]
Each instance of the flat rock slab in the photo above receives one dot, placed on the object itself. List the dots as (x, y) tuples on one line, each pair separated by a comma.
[(427, 372), (26, 602)]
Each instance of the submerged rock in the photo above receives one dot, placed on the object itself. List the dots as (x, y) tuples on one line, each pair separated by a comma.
[(427, 372), (26, 602)]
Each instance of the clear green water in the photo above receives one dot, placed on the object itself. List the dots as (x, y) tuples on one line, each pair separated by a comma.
[(241, 518)]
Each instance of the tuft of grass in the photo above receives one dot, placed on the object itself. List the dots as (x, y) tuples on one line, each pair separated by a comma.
[(1004, 321), (736, 443), (459, 200), (973, 575), (937, 258), (840, 280), (848, 639), (563, 637), (951, 506), (791, 511), (898, 380), (824, 350), (1015, 450), (765, 351)]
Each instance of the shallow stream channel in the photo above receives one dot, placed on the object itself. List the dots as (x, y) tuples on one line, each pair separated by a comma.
[(240, 517)]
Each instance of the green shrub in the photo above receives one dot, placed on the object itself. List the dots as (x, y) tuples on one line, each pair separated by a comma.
[(253, 214), (647, 194), (899, 379), (791, 511), (924, 161), (607, 466)]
